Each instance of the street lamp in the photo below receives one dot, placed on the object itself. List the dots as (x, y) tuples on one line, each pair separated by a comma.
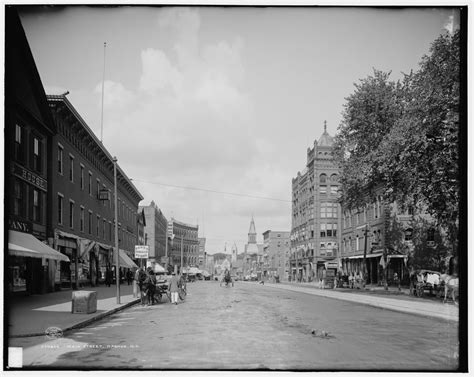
[(117, 257)]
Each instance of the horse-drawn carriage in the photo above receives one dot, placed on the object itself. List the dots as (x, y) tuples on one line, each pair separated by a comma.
[(422, 281), (437, 284)]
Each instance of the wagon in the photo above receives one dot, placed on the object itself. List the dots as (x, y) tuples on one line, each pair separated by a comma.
[(426, 280)]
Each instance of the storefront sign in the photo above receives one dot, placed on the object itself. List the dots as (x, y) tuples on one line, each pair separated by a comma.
[(30, 177), (141, 251), (20, 225)]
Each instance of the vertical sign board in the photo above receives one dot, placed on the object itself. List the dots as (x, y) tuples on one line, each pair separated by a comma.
[(141, 251), (170, 229)]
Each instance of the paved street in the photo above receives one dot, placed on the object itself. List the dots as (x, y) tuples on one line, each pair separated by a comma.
[(251, 326)]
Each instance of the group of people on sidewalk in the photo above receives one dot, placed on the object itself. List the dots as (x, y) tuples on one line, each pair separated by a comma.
[(146, 282)]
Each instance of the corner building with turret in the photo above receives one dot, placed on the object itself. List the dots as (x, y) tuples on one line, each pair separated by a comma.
[(316, 214)]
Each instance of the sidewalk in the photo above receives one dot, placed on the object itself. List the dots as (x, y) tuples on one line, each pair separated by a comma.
[(376, 296), (32, 315)]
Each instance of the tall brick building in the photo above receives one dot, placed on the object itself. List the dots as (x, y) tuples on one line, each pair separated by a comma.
[(315, 226)]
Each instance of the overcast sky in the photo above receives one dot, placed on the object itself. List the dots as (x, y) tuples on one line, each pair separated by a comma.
[(221, 98)]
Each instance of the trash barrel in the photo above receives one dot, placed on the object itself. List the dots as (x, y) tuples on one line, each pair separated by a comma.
[(84, 302)]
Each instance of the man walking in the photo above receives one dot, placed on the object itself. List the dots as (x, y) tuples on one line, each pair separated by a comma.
[(174, 288)]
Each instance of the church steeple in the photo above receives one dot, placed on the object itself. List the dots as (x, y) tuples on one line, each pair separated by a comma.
[(252, 232)]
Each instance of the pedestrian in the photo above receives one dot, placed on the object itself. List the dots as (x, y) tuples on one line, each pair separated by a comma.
[(108, 277), (150, 286), (129, 276), (174, 288), (140, 277)]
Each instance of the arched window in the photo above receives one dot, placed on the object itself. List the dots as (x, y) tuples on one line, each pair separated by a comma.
[(334, 178), (322, 178)]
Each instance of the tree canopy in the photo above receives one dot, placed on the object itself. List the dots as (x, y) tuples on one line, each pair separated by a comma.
[(404, 136)]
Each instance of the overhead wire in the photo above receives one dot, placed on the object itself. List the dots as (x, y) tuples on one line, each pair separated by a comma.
[(212, 191)]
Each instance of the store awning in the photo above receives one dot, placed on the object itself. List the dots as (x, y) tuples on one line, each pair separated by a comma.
[(125, 260), (27, 245)]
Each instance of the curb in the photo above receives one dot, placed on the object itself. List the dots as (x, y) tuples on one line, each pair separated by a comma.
[(85, 322), (342, 297)]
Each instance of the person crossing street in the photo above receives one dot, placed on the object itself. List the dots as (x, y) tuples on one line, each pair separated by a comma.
[(174, 288)]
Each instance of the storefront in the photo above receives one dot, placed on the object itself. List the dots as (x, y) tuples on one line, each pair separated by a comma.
[(32, 264)]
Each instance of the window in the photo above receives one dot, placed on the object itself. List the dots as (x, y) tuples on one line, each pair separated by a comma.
[(328, 230), (82, 219), (71, 168), (90, 222), (90, 183), (334, 178), (18, 198), (408, 234), (323, 189), (322, 178), (82, 177), (98, 188), (71, 214), (36, 205), (333, 190), (60, 209), (19, 144), (97, 231), (103, 228), (37, 153), (60, 159), (328, 210)]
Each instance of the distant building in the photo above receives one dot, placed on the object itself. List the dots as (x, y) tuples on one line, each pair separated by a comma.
[(316, 214), (155, 232), (276, 247), (185, 245)]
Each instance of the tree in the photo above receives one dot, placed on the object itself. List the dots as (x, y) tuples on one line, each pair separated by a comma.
[(404, 136), (422, 150)]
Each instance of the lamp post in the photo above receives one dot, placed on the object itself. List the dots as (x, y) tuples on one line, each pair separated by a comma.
[(117, 257)]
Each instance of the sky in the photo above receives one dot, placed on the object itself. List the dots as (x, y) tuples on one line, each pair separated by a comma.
[(224, 100)]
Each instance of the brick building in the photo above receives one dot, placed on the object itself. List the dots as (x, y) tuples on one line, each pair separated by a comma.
[(315, 225), (30, 264), (82, 201)]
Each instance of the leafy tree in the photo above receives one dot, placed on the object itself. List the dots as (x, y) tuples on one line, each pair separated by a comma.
[(404, 136)]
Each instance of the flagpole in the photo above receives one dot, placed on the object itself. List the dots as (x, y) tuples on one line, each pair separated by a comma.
[(102, 112)]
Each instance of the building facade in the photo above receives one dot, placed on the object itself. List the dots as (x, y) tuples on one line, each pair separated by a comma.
[(155, 230), (276, 248), (29, 129), (185, 245), (315, 225), (83, 204)]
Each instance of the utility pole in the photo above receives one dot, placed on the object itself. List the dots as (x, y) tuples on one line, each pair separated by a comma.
[(117, 261), (181, 270)]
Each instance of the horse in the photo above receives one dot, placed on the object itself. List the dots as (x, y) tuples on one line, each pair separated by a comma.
[(451, 285)]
